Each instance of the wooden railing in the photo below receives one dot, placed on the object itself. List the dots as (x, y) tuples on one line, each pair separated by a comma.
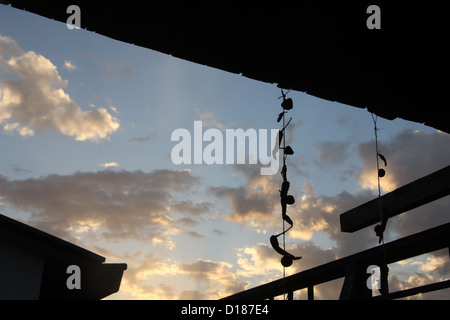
[(354, 268)]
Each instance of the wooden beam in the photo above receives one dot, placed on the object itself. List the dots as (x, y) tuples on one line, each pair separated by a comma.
[(408, 197)]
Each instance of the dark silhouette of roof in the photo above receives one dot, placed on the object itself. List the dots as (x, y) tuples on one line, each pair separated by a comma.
[(98, 279), (323, 48)]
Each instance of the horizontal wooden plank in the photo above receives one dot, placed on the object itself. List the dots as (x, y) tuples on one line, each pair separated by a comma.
[(408, 197)]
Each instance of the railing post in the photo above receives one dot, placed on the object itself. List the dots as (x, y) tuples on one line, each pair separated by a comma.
[(355, 286), (311, 292), (290, 295)]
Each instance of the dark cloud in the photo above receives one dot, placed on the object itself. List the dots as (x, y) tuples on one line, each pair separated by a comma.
[(186, 221), (253, 201), (410, 155), (148, 137), (194, 234), (118, 69), (244, 204), (200, 269), (219, 232), (19, 170), (348, 122), (191, 207), (331, 153), (122, 204)]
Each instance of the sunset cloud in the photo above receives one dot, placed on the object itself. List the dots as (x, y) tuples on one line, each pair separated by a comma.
[(217, 279), (254, 202), (115, 204), (33, 98), (410, 156), (109, 164)]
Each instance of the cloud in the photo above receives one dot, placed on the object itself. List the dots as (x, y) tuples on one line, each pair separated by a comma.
[(410, 156), (117, 69), (109, 165), (216, 279), (257, 262), (257, 203), (208, 119), (436, 263), (204, 270), (113, 109), (219, 232), (113, 204), (191, 207), (252, 202), (331, 153), (33, 98), (69, 65), (19, 170), (313, 214), (245, 204), (348, 123), (415, 280), (148, 137)]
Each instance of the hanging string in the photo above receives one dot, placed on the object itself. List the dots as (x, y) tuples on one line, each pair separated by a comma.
[(284, 179), (375, 129), (285, 198), (379, 229)]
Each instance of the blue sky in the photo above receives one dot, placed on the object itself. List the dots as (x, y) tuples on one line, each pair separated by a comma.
[(93, 165)]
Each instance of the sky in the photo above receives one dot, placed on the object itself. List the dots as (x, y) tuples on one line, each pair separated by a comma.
[(85, 136)]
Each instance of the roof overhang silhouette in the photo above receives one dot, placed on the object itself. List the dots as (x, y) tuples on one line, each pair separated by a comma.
[(51, 257), (323, 48)]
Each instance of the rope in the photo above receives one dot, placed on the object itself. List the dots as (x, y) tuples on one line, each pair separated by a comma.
[(284, 228), (383, 214), (285, 198)]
